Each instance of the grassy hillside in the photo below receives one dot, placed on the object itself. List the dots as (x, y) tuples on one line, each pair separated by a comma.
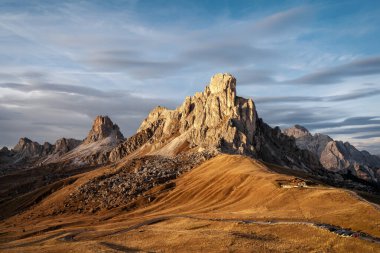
[(223, 205)]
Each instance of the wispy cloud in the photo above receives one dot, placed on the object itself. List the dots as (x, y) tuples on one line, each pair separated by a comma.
[(362, 67), (348, 122), (64, 88), (283, 21), (286, 115), (369, 136), (353, 95), (51, 113), (356, 130)]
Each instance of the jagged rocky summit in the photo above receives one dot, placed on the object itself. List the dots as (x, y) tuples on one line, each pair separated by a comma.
[(337, 156), (96, 147), (28, 152), (103, 128), (216, 120)]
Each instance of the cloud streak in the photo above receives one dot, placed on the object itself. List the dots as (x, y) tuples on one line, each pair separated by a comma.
[(68, 110), (355, 130), (357, 68), (283, 21), (353, 95), (64, 88), (348, 122)]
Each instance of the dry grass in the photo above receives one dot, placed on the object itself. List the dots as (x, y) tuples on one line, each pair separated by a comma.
[(229, 187)]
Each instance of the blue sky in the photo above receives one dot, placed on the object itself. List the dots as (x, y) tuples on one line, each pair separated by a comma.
[(314, 63)]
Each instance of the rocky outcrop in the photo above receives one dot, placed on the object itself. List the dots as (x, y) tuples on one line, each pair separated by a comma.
[(28, 153), (103, 137), (305, 140), (4, 151), (337, 156), (102, 128), (131, 144), (275, 147), (213, 119), (25, 148), (297, 132), (6, 156), (64, 145), (95, 149)]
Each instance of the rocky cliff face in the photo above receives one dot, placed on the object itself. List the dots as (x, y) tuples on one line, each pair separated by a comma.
[(337, 156), (213, 119), (297, 132), (275, 147), (96, 147), (131, 144), (25, 148), (102, 128), (305, 140), (64, 145)]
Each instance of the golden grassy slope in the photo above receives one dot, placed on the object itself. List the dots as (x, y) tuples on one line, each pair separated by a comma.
[(240, 187), (226, 187)]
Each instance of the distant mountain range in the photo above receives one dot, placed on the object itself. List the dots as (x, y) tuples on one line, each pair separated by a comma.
[(337, 156)]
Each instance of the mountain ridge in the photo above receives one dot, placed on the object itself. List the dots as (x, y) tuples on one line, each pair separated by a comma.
[(215, 120), (337, 156)]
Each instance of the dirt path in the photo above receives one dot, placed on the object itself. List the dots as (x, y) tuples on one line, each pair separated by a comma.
[(331, 228)]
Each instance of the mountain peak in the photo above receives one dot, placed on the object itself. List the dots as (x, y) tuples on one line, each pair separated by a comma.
[(27, 148), (302, 128), (296, 131), (215, 118), (22, 143), (64, 145), (222, 82), (102, 128)]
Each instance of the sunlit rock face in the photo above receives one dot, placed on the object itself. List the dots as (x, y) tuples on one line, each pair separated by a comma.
[(215, 118), (102, 128), (95, 149)]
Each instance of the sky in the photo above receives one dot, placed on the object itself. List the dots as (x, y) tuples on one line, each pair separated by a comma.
[(312, 63)]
